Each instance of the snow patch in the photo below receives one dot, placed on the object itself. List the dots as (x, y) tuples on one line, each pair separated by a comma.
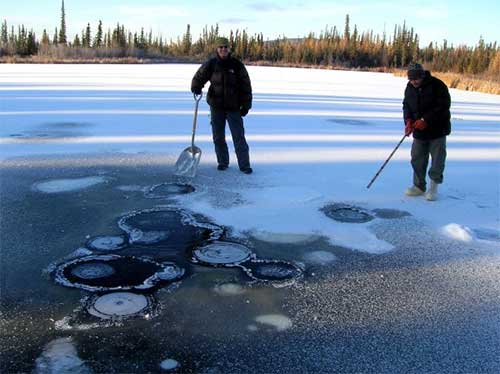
[(320, 257), (68, 185), (284, 238), (458, 232), (278, 321), (229, 289), (60, 356)]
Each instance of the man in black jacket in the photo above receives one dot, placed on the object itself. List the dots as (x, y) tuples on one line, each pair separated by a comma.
[(230, 98), (426, 108)]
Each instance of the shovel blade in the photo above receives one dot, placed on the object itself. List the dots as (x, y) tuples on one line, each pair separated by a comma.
[(187, 163)]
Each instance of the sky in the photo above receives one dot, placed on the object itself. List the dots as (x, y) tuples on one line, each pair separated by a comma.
[(459, 22)]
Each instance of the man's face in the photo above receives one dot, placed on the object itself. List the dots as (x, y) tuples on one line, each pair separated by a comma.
[(416, 82), (223, 51)]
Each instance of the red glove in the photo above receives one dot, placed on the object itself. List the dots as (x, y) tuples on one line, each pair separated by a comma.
[(420, 124), (409, 125)]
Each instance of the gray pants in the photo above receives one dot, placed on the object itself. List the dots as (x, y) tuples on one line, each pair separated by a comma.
[(420, 151), (218, 121)]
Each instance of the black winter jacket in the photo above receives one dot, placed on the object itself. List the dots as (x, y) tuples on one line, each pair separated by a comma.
[(230, 87), (431, 101)]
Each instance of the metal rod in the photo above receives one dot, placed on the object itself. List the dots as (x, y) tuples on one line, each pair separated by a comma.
[(386, 161)]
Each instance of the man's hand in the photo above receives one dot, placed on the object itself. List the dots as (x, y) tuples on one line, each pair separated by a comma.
[(243, 111), (420, 124), (196, 91), (409, 126)]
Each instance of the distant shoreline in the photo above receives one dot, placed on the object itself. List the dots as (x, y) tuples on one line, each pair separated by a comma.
[(453, 80)]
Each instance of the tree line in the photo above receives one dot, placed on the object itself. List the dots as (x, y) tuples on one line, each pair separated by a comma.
[(348, 48)]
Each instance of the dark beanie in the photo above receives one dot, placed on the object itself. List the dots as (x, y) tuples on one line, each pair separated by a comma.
[(415, 71)]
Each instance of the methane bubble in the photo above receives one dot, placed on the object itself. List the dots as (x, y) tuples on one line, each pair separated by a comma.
[(346, 213), (222, 253)]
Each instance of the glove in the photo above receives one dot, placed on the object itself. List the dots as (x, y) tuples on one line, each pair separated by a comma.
[(409, 126), (196, 90), (243, 111), (420, 124)]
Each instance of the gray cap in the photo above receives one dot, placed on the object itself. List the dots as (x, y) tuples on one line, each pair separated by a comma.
[(415, 71)]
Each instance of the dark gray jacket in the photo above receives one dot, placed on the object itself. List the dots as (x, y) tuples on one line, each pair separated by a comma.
[(230, 87), (431, 101)]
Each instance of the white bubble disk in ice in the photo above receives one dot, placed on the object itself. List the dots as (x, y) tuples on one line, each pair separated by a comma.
[(319, 257), (169, 364), (68, 185), (229, 289), (278, 321), (222, 253), (92, 271), (118, 304), (107, 243), (170, 272)]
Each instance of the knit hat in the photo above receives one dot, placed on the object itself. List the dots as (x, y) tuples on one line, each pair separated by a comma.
[(221, 41), (415, 71)]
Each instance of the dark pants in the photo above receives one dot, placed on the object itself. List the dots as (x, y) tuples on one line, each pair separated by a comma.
[(420, 151), (218, 121)]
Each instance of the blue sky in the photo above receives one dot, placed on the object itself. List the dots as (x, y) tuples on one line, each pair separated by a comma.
[(460, 22)]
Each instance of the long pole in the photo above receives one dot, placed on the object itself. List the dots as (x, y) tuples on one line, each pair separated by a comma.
[(386, 161)]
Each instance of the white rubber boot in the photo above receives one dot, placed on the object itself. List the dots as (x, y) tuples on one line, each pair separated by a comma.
[(431, 194), (414, 191)]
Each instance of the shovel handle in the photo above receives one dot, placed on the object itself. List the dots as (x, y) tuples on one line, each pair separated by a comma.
[(197, 99)]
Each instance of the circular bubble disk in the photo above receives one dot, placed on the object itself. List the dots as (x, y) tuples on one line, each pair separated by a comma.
[(113, 272), (222, 254), (274, 271), (107, 243), (346, 213), (119, 305), (92, 271), (168, 189)]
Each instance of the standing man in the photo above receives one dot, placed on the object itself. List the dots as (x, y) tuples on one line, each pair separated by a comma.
[(230, 98), (426, 108)]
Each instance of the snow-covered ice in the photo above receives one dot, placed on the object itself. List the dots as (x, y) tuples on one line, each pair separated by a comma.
[(316, 137)]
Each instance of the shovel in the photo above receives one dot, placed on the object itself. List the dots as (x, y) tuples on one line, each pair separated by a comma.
[(188, 160)]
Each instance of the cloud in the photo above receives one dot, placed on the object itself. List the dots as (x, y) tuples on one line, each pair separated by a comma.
[(233, 20), (266, 7)]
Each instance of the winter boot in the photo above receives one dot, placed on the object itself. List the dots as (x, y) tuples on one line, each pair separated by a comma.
[(431, 195), (414, 191)]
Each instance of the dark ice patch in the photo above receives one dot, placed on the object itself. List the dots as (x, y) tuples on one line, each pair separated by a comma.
[(67, 125), (166, 190), (487, 234), (350, 122), (113, 272), (277, 272), (346, 213), (390, 213), (171, 228)]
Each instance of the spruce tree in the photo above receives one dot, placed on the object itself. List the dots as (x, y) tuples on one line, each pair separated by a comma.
[(98, 37), (62, 31), (88, 36)]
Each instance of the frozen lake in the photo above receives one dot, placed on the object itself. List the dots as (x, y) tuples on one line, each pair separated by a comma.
[(105, 254)]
